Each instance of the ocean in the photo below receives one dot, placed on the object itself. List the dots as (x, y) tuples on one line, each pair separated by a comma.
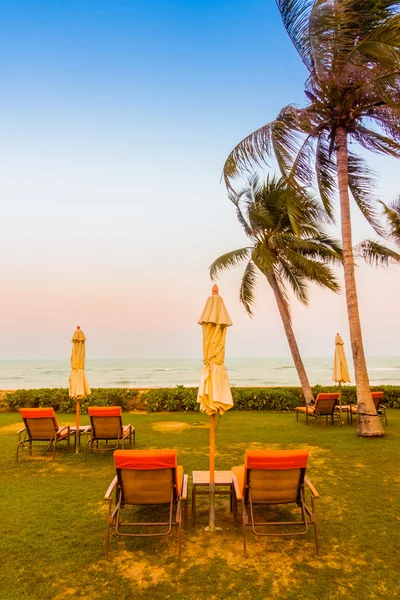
[(168, 372)]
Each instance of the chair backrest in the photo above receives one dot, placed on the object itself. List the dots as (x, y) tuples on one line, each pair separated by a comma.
[(41, 423), (377, 397), (274, 476), (147, 476), (325, 403), (106, 421)]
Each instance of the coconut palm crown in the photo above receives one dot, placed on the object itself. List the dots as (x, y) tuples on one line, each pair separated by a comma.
[(288, 259), (351, 49)]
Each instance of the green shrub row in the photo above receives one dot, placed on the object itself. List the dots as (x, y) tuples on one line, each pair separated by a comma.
[(184, 399), (58, 398)]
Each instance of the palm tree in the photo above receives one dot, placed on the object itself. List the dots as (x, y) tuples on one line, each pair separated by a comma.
[(351, 49), (287, 258)]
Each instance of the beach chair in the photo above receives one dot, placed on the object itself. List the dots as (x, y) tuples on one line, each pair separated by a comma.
[(106, 424), (273, 478), (377, 397), (41, 426), (147, 478), (324, 406)]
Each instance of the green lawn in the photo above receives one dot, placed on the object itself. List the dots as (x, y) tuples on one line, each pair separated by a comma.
[(53, 518)]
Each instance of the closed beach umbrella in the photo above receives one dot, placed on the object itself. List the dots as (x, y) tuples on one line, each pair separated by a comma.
[(78, 385), (340, 369), (214, 391)]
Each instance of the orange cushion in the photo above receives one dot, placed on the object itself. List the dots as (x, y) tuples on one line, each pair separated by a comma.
[(36, 413), (304, 409), (179, 479), (276, 459), (325, 396), (377, 394), (39, 413), (145, 459), (104, 411), (239, 472)]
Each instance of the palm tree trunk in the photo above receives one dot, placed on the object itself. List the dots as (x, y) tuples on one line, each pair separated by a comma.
[(368, 421), (294, 349)]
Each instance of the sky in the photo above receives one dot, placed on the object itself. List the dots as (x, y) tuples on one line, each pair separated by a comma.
[(116, 118)]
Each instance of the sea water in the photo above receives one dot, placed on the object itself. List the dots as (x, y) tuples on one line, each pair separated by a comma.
[(168, 372)]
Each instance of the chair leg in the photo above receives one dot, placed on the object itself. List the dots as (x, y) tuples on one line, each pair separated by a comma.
[(316, 537), (244, 523), (107, 536)]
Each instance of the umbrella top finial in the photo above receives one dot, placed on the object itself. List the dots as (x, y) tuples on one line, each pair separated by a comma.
[(215, 289), (78, 326)]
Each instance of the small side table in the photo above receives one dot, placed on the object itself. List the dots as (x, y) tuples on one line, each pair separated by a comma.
[(201, 479), (83, 429)]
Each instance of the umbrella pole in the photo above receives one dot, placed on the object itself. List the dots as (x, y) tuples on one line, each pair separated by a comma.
[(77, 432), (340, 403), (211, 521)]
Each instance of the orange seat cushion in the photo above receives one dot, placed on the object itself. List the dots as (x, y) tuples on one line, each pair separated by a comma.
[(239, 472), (144, 460), (179, 479), (39, 413), (311, 409), (104, 411), (276, 459), (328, 396), (36, 413)]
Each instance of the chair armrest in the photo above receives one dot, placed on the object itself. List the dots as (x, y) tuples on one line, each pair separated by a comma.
[(311, 487), (112, 485), (21, 430), (238, 491), (184, 490)]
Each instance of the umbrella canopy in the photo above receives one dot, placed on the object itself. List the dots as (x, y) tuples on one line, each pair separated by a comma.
[(340, 369), (214, 391), (214, 394), (78, 385)]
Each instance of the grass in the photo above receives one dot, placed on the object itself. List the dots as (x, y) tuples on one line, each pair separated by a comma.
[(53, 525)]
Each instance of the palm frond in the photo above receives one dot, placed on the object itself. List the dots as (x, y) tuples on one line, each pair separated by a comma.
[(247, 287), (313, 270), (295, 16), (228, 260), (392, 216), (375, 142), (252, 150), (296, 281), (376, 254), (326, 175), (361, 185)]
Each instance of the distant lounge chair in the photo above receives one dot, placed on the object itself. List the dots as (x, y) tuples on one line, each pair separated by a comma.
[(106, 425), (377, 397), (145, 478), (324, 406), (272, 478), (41, 426)]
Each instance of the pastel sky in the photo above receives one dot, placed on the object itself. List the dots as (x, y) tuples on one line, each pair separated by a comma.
[(116, 118)]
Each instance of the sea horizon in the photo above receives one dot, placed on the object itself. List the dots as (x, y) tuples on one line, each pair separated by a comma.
[(169, 372)]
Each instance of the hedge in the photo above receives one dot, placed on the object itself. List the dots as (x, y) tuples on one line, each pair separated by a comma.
[(184, 399), (58, 398)]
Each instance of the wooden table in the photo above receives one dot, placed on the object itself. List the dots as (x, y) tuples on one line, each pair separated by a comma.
[(83, 429), (201, 479)]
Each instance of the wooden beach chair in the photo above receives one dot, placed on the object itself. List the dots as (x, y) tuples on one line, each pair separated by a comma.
[(147, 478), (324, 406), (41, 426), (106, 425), (273, 478), (377, 397)]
